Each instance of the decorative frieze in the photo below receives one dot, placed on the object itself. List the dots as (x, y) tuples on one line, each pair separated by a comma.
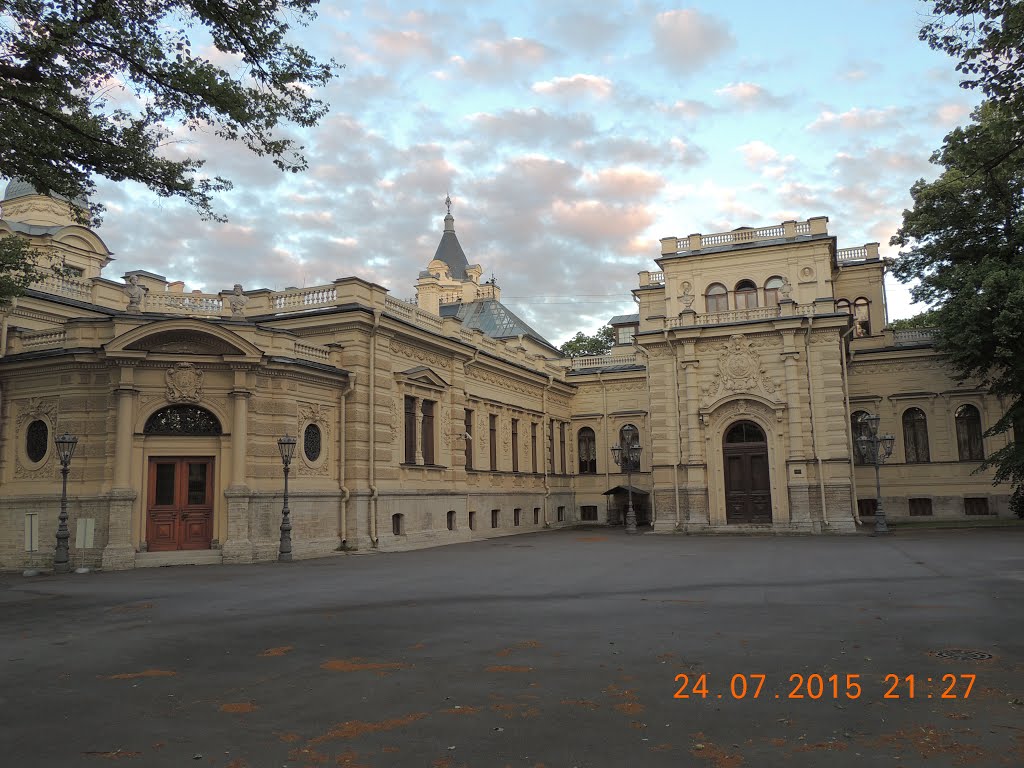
[(740, 369)]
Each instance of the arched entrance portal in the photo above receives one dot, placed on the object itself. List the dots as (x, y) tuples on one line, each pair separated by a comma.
[(179, 498), (748, 498)]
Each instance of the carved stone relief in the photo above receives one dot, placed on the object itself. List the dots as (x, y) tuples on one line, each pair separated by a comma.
[(506, 436), (739, 370), (423, 356), (446, 426), (184, 383), (314, 413)]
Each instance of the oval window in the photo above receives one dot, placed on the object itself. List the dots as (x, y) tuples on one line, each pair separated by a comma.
[(37, 438), (311, 440)]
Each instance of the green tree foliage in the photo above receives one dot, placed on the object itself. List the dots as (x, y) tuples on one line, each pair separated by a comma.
[(987, 36), (924, 319), (95, 88), (582, 345), (964, 241)]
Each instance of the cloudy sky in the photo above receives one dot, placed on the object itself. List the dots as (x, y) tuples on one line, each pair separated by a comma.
[(571, 136)]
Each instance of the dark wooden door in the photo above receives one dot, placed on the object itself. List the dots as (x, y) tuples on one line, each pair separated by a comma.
[(748, 497), (179, 509)]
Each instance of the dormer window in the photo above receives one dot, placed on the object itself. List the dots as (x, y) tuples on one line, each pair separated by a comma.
[(624, 334), (746, 294)]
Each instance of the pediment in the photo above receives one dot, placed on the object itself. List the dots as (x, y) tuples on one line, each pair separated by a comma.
[(183, 337), (181, 342), (423, 376)]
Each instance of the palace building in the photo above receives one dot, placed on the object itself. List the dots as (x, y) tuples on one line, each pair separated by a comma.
[(742, 377)]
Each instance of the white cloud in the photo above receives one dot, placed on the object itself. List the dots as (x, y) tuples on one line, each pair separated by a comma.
[(857, 119), (748, 95), (686, 40), (577, 85)]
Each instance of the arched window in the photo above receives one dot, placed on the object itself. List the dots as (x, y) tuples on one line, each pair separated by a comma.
[(629, 436), (586, 442), (772, 289), (859, 429), (745, 432), (182, 420), (843, 305), (746, 294), (915, 436), (717, 298), (968, 434), (861, 317)]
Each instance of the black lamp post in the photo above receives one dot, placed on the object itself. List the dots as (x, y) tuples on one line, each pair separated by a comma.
[(626, 456), (286, 445), (875, 449), (65, 450)]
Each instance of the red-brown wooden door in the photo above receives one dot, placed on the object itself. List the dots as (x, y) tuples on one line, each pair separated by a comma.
[(179, 508), (748, 497)]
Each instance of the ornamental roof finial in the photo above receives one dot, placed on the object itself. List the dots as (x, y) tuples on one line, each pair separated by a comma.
[(448, 203)]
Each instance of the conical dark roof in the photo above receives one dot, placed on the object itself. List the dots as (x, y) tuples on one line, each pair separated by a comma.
[(450, 251)]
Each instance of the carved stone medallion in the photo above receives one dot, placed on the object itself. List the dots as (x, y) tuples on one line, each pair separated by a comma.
[(184, 383), (739, 370)]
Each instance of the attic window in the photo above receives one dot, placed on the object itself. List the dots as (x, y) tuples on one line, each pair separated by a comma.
[(624, 334), (70, 271)]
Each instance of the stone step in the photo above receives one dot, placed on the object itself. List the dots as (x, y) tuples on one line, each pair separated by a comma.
[(182, 557)]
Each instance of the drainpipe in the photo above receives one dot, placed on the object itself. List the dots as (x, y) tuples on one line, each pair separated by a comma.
[(607, 440), (346, 494), (373, 426), (679, 426), (544, 425), (849, 427), (814, 431)]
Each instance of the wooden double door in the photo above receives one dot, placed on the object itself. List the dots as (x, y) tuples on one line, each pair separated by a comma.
[(179, 506), (748, 497)]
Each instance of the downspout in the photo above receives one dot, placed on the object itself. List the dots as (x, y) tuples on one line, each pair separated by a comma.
[(545, 425), (679, 426), (346, 494), (607, 440), (814, 431), (373, 427), (849, 427)]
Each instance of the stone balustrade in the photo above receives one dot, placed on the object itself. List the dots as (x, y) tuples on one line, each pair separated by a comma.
[(912, 337), (602, 361), (866, 252), (787, 229)]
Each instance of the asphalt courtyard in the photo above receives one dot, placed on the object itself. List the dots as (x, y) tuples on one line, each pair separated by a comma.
[(558, 649)]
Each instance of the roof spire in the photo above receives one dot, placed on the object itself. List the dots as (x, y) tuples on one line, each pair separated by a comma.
[(449, 220)]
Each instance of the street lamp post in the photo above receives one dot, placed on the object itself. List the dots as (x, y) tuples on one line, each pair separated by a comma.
[(65, 450), (286, 445), (875, 448), (626, 456)]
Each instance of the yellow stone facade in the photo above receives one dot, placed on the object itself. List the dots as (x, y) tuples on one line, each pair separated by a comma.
[(749, 352)]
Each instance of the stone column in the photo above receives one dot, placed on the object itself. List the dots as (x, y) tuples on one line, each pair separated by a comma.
[(237, 544), (120, 550)]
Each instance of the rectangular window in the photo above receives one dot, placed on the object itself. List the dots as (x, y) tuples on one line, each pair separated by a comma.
[(624, 334), (516, 514), (551, 446), (920, 507), (533, 446), (495, 517), (515, 445), (451, 520), (472, 521), (561, 514), (588, 514), (428, 431), (536, 515), (410, 430), (976, 506), (492, 442), (561, 447), (469, 439), (85, 533), (70, 271), (867, 507)]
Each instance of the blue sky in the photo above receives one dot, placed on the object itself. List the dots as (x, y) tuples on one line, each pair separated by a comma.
[(571, 137)]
